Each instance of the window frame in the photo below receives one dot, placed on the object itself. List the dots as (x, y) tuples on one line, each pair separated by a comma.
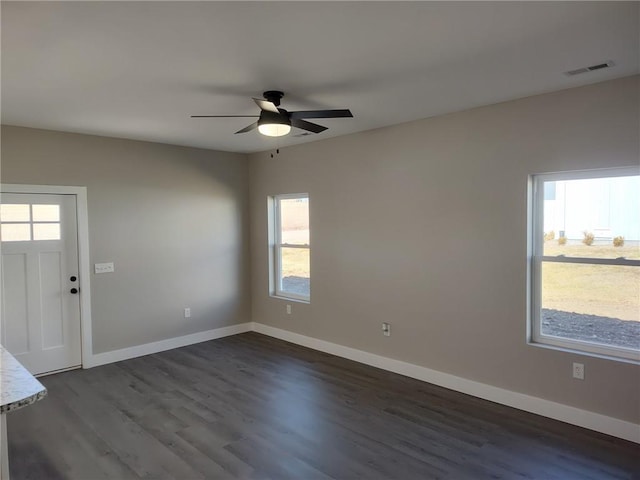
[(537, 257), (276, 246)]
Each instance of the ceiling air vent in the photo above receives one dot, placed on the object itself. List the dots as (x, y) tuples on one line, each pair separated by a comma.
[(592, 68)]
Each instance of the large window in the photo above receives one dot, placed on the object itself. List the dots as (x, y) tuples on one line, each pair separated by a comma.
[(290, 265), (585, 262)]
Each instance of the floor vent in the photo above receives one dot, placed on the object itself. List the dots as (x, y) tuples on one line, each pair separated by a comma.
[(592, 68)]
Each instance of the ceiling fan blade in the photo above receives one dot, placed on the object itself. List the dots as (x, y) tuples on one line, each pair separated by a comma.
[(266, 105), (321, 114), (224, 116), (308, 126), (248, 128)]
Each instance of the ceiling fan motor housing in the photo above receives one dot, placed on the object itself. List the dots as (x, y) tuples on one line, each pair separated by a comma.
[(272, 117)]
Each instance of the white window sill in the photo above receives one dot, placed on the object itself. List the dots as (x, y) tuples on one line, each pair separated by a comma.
[(577, 351), (290, 299)]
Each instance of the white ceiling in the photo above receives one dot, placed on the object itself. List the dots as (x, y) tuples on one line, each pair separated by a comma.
[(139, 69)]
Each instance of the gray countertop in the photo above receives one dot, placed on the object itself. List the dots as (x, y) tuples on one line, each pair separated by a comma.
[(18, 388)]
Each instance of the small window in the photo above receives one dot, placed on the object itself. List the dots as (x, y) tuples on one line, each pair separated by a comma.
[(290, 244), (585, 262), (26, 222)]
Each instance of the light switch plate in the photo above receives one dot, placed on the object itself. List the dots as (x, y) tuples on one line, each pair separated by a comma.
[(104, 267)]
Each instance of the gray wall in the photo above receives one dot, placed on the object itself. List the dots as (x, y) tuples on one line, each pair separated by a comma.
[(173, 219), (424, 225)]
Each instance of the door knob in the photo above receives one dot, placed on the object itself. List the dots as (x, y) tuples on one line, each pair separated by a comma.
[(74, 290), (73, 278)]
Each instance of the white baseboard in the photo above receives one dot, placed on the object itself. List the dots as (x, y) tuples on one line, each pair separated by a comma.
[(546, 408), (564, 413), (155, 347)]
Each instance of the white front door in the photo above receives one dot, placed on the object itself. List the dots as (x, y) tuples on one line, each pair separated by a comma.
[(40, 285)]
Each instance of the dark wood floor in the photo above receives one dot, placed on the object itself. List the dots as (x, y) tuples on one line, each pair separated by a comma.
[(250, 406)]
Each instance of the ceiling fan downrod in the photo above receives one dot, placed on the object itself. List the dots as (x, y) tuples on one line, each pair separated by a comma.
[(273, 96)]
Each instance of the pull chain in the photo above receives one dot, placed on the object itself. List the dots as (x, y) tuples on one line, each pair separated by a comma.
[(277, 148)]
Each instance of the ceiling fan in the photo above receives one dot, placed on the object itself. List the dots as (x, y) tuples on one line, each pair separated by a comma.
[(276, 122)]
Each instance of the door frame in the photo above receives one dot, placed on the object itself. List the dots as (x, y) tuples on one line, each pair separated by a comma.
[(84, 265)]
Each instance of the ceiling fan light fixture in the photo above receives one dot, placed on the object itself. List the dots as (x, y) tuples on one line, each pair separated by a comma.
[(273, 124), (274, 129)]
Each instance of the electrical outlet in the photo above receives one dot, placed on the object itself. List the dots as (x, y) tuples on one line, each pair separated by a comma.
[(578, 371), (187, 312), (288, 309), (386, 329)]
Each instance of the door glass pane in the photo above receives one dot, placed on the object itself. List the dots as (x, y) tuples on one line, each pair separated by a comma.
[(295, 271), (15, 232), (46, 213), (46, 231), (14, 212), (294, 221), (593, 218), (592, 303)]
